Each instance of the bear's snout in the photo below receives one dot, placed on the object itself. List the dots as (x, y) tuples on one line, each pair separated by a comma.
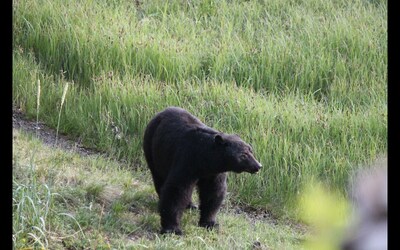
[(258, 167), (255, 167)]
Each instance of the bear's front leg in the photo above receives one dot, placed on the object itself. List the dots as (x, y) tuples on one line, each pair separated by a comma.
[(175, 196), (211, 193)]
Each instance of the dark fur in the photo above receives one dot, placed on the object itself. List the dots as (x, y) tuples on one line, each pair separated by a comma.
[(181, 153)]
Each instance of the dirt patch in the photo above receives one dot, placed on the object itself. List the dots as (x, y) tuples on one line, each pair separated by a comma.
[(254, 215), (48, 135)]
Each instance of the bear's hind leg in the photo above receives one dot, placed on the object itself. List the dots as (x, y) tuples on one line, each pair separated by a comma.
[(175, 197), (158, 183), (211, 192)]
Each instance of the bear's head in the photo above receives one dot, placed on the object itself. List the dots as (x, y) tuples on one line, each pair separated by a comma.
[(237, 154)]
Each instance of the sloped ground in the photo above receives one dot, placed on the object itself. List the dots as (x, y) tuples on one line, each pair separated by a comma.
[(69, 197)]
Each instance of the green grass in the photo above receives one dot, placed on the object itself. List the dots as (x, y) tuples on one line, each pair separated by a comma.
[(63, 200), (303, 81), (295, 137), (327, 47)]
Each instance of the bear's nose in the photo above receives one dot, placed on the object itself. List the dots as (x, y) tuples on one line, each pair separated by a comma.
[(256, 167)]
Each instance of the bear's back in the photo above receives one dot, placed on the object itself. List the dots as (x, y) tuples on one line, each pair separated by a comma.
[(178, 117), (176, 123), (170, 133)]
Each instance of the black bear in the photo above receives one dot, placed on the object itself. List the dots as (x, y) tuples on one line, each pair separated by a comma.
[(182, 152)]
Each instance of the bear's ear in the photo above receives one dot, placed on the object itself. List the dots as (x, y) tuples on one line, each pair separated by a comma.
[(219, 140)]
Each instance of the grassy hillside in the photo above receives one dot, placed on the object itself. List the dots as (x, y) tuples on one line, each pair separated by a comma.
[(303, 81), (65, 201)]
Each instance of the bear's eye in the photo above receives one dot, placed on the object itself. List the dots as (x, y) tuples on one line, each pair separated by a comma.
[(243, 156)]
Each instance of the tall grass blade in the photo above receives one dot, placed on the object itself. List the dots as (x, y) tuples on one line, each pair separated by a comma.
[(59, 113), (37, 106)]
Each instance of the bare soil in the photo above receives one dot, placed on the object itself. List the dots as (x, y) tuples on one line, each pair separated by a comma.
[(49, 135)]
